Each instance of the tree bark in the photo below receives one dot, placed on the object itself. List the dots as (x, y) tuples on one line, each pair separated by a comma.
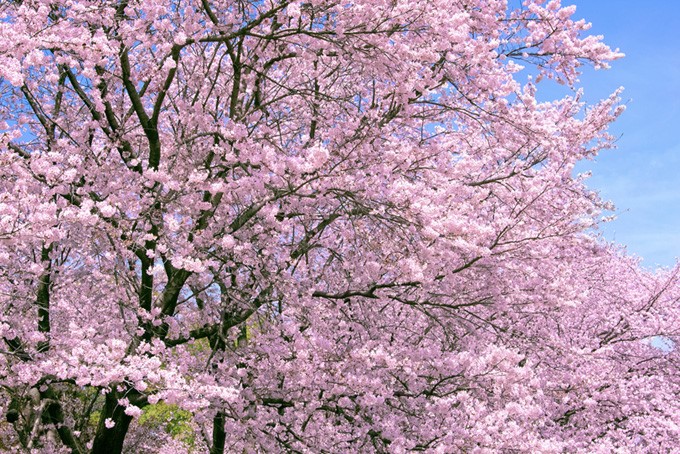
[(110, 440), (219, 435)]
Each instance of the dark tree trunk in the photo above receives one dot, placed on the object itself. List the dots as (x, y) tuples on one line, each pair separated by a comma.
[(110, 441), (218, 434)]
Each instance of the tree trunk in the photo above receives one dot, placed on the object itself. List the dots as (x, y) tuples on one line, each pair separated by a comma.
[(110, 440), (219, 436)]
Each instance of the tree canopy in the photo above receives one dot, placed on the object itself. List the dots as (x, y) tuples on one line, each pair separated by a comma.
[(316, 226)]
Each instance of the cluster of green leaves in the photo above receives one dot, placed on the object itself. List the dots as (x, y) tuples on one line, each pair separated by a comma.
[(175, 421)]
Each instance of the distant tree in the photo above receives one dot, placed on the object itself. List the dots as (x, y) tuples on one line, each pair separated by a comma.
[(320, 226)]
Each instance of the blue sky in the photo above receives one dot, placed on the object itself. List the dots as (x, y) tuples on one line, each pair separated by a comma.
[(642, 176)]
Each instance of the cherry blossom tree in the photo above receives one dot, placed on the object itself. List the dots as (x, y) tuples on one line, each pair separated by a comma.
[(316, 226)]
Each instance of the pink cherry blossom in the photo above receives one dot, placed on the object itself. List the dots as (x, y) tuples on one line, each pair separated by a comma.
[(316, 226)]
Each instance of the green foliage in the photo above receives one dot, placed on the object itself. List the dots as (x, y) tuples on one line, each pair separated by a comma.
[(94, 418), (170, 418), (199, 347)]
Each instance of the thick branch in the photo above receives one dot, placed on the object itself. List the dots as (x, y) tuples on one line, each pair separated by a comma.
[(369, 293), (304, 246), (43, 298), (174, 54), (150, 129)]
